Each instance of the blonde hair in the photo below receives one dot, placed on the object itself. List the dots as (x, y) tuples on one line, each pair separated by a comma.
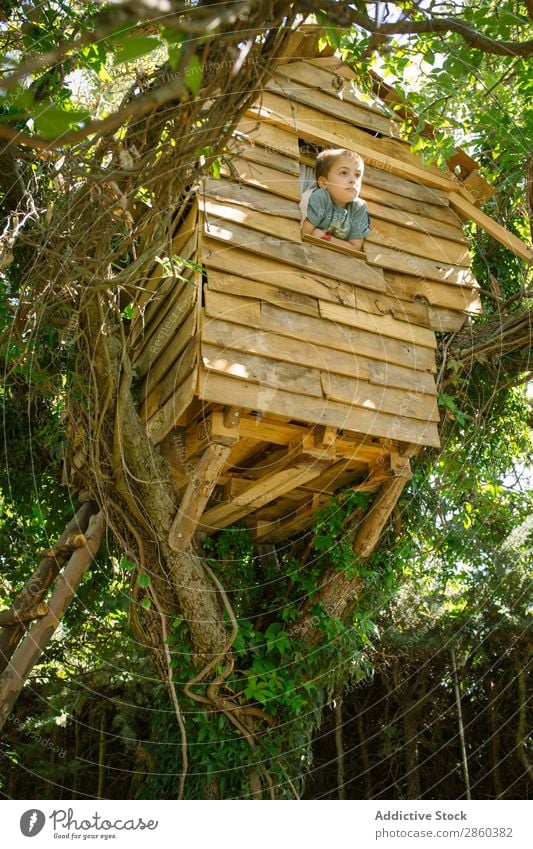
[(327, 158)]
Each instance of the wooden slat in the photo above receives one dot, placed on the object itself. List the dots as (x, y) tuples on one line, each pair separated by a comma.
[(328, 81), (268, 373), (169, 414), (246, 196), (402, 189), (397, 260), (157, 275), (269, 136), (232, 308), (264, 292), (160, 309), (166, 330), (326, 101), (169, 356), (257, 494), (446, 321), (419, 244), (304, 256), (314, 126), (344, 338), (363, 394), (507, 239), (406, 206), (449, 296), (286, 336), (285, 185), (336, 65), (278, 227), (235, 262), (159, 392), (220, 388), (253, 152), (421, 223), (384, 325)]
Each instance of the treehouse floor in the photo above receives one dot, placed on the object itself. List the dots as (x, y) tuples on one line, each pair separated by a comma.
[(273, 474)]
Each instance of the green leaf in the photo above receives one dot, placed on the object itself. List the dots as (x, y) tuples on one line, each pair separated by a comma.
[(143, 580), (52, 120), (193, 75), (135, 46), (126, 564), (146, 603)]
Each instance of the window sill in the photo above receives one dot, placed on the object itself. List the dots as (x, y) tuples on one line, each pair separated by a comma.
[(323, 243)]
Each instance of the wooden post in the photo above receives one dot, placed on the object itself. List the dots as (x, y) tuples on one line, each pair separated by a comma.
[(201, 485), (377, 516)]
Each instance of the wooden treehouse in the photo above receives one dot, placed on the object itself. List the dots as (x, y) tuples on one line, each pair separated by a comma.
[(277, 370)]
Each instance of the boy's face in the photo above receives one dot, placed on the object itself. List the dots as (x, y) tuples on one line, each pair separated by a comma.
[(343, 180)]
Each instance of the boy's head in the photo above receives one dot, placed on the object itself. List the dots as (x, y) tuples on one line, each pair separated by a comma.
[(340, 173)]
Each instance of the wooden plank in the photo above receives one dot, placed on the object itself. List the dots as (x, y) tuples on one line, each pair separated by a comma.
[(158, 393), (269, 136), (417, 243), (210, 429), (249, 197), (242, 451), (449, 296), (396, 259), (201, 485), (315, 127), (169, 356), (402, 310), (285, 185), (507, 239), (268, 373), (275, 226), (345, 338), (264, 292), (360, 393), (232, 308), (163, 335), (384, 325), (176, 293), (421, 223), (158, 275), (329, 80), (168, 416), (402, 187), (257, 494), (327, 101), (334, 64), (240, 146), (446, 321), (221, 388), (407, 206), (271, 271), (306, 257)]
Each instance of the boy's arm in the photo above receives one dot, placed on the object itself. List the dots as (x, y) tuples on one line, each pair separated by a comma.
[(309, 227)]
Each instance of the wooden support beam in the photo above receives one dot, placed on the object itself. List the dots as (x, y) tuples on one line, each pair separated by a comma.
[(200, 486), (221, 427), (375, 520), (258, 494)]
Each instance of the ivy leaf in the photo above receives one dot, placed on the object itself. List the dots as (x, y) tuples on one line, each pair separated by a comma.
[(193, 75), (143, 580), (134, 47)]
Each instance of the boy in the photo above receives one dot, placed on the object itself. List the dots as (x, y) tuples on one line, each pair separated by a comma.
[(334, 211)]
